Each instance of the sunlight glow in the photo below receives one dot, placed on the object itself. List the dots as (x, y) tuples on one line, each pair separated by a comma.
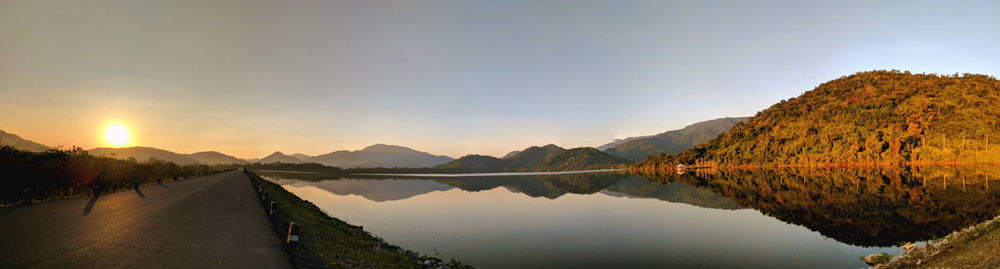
[(117, 135)]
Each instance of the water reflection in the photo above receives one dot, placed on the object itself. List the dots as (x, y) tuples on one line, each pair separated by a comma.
[(865, 207), (547, 186), (759, 218)]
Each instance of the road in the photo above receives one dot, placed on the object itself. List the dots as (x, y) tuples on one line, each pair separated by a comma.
[(212, 221)]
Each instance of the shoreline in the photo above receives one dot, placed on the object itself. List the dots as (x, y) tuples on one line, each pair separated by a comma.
[(975, 246), (328, 242)]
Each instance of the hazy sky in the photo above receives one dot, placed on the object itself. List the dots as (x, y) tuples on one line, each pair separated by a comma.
[(449, 77)]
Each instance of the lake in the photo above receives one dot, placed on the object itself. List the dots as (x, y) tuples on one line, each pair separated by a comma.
[(759, 218)]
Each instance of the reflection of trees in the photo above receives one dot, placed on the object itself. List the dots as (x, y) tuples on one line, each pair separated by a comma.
[(867, 207), (548, 186), (554, 186), (673, 192)]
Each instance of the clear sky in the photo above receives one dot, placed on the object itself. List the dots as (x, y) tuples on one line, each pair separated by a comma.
[(448, 77)]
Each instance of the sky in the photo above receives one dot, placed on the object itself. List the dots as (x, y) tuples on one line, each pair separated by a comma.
[(248, 78)]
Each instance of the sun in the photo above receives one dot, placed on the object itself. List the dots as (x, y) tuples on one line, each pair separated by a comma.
[(117, 135)]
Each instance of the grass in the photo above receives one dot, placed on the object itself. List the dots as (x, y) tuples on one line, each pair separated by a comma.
[(327, 242), (973, 247)]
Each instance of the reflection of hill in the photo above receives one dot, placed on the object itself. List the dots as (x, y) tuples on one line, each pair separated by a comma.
[(379, 190), (273, 171), (672, 192), (862, 207), (553, 186), (549, 186)]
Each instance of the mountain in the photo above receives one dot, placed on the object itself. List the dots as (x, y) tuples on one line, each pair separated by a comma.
[(380, 155), (475, 163), (579, 159), (278, 157), (146, 153), (545, 158), (510, 154), (212, 157), (9, 139), (143, 154), (877, 117), (618, 141), (671, 142), (534, 156)]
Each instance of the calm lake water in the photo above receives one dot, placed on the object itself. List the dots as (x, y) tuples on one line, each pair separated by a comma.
[(771, 218)]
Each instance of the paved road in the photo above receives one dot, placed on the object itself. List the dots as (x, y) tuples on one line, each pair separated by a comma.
[(213, 221)]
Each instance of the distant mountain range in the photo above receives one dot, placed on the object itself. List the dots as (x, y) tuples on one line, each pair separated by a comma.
[(545, 158), (378, 155), (278, 157), (9, 139), (213, 157), (146, 153), (670, 142)]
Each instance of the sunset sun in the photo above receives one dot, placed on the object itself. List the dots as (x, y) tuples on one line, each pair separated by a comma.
[(117, 135)]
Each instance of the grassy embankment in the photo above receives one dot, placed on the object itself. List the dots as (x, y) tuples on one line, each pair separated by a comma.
[(329, 242), (977, 246)]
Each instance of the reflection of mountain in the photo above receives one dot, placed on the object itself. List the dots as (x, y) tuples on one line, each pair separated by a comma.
[(862, 207), (298, 171), (549, 186), (671, 192), (378, 190), (381, 190)]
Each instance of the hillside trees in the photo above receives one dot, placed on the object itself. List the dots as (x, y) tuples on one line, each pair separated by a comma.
[(877, 117)]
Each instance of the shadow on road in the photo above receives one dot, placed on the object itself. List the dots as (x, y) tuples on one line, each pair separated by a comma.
[(4, 210), (90, 205), (163, 185), (139, 192)]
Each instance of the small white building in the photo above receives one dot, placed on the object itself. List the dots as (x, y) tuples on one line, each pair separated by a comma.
[(681, 168)]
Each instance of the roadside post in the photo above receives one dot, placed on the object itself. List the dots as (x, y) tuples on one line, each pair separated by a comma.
[(293, 233)]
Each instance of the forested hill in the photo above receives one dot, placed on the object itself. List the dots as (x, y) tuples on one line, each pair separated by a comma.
[(877, 117)]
